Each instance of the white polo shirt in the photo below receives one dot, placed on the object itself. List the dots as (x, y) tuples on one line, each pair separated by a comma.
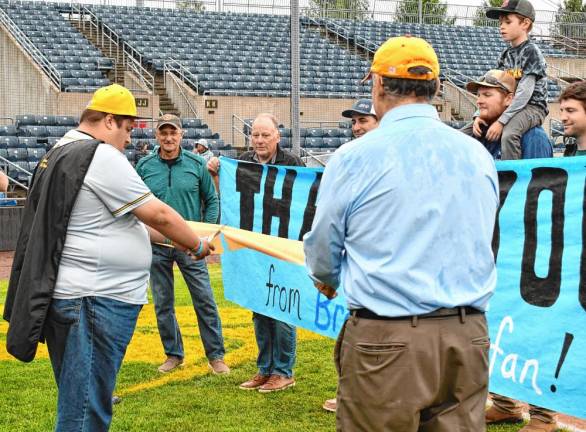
[(107, 251)]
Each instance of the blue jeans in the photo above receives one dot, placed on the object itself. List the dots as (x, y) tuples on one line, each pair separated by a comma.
[(87, 339), (277, 342), (197, 279)]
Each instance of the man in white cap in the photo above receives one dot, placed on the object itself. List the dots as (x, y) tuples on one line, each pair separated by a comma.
[(202, 148)]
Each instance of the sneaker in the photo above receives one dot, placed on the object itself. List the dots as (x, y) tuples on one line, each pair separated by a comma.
[(276, 383), (218, 367), (254, 382), (495, 415), (171, 363), (536, 425), (116, 400), (330, 405)]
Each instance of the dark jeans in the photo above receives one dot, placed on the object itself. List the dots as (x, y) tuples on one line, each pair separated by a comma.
[(277, 342), (87, 339), (197, 279)]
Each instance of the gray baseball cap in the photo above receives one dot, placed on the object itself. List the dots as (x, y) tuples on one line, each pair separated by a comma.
[(361, 106), (169, 119), (521, 7)]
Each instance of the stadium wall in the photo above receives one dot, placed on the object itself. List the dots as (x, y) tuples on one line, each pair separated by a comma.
[(24, 88), (218, 111), (559, 67)]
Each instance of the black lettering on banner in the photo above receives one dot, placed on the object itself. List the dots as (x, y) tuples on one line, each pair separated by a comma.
[(506, 181), (535, 290), (248, 177), (582, 290), (287, 300), (310, 208), (280, 208)]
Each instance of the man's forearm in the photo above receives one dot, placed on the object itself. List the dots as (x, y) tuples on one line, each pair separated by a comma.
[(167, 222)]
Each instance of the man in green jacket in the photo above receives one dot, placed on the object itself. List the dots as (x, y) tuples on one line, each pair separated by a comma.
[(181, 180)]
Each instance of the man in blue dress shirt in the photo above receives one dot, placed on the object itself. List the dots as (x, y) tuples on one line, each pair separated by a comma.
[(411, 244)]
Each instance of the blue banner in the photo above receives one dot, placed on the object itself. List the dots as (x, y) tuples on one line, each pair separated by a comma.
[(537, 316)]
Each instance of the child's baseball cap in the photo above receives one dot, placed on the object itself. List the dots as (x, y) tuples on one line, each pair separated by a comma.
[(520, 7)]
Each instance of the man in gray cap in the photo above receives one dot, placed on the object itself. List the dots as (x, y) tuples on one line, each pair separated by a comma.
[(363, 117), (202, 148), (180, 179)]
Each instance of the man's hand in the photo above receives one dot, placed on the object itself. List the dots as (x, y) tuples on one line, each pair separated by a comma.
[(214, 166), (326, 290), (476, 126), (495, 131), (206, 250)]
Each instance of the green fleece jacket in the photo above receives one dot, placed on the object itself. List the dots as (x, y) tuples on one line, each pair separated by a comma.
[(184, 185)]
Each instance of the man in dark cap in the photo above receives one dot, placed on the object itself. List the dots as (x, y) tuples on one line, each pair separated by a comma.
[(363, 117)]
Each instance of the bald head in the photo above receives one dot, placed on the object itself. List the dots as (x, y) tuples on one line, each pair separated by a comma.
[(265, 137), (267, 118)]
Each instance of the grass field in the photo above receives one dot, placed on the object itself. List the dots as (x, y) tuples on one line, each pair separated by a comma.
[(190, 399)]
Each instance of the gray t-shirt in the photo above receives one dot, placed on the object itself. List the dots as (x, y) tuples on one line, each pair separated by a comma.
[(107, 251)]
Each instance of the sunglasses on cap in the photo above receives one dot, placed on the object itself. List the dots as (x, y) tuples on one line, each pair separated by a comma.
[(492, 80)]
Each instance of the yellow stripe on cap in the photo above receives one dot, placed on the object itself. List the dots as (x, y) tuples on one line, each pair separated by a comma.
[(113, 99)]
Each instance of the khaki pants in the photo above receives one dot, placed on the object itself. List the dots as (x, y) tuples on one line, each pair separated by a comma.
[(402, 376)]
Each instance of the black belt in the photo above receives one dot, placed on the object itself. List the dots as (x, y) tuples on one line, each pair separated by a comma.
[(461, 311)]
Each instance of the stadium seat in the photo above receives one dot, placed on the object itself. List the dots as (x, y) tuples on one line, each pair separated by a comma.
[(37, 131), (28, 141), (332, 142), (26, 120), (8, 142), (9, 130), (193, 123), (57, 131), (66, 121), (35, 154), (315, 133)]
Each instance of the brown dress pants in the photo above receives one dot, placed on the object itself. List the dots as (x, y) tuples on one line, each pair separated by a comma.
[(429, 375)]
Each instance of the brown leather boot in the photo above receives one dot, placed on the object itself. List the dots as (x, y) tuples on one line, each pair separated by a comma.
[(276, 383), (255, 382), (494, 415), (537, 425)]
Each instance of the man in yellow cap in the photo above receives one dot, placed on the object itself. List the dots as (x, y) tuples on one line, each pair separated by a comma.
[(411, 245), (80, 272)]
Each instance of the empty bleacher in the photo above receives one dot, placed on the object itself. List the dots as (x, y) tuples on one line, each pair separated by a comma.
[(81, 66), (26, 142), (465, 51), (237, 54)]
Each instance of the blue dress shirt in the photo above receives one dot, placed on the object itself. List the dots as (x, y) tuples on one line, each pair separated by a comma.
[(405, 217)]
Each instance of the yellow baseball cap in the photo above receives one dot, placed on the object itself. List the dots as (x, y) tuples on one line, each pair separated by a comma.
[(113, 99), (398, 57)]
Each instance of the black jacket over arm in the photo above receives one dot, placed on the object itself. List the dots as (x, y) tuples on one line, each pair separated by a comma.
[(56, 182)]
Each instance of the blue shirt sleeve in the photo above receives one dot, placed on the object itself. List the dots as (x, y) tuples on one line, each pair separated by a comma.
[(329, 225)]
